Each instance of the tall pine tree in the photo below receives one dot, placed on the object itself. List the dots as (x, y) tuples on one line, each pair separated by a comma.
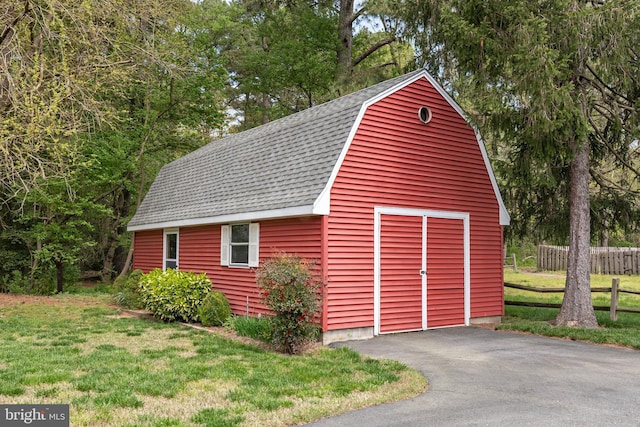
[(557, 83)]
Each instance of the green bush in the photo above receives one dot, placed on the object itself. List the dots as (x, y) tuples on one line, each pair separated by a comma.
[(14, 283), (41, 282), (174, 295), (127, 290), (290, 290), (214, 310)]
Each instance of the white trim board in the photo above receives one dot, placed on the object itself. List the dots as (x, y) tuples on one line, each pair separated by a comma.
[(236, 217)]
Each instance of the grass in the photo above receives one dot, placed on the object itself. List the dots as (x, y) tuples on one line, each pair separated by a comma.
[(252, 327), (120, 371), (625, 331)]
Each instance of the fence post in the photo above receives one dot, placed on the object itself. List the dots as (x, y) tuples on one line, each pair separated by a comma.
[(613, 313)]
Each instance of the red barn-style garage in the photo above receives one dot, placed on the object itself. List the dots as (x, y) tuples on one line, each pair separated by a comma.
[(389, 189)]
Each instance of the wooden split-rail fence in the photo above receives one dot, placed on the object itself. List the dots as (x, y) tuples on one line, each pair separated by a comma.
[(604, 260), (613, 309)]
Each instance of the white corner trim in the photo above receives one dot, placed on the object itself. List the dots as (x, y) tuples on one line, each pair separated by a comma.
[(505, 218)]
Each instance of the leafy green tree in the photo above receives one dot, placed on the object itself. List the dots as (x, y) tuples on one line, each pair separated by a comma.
[(171, 107), (284, 56), (557, 84), (56, 228), (94, 97), (56, 61), (280, 56)]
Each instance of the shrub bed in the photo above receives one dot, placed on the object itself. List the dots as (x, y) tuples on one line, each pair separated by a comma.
[(174, 295)]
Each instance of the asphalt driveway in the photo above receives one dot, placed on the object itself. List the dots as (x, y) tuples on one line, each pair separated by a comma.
[(480, 377)]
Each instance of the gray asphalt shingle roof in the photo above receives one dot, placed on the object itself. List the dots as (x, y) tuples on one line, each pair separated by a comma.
[(283, 164)]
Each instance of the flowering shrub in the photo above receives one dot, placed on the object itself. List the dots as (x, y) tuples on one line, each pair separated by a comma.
[(173, 294), (290, 290)]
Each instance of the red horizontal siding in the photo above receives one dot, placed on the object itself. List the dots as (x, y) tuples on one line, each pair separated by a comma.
[(200, 252), (147, 250), (396, 160)]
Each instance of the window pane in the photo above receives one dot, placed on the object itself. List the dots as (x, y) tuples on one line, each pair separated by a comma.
[(240, 233), (171, 264), (172, 246), (240, 254)]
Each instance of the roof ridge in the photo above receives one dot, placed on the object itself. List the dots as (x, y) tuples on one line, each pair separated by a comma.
[(282, 166), (358, 97)]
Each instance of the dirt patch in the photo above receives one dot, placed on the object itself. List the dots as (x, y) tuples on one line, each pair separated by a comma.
[(12, 299), (221, 331), (8, 300)]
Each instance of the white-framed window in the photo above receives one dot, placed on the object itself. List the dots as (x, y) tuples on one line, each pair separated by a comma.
[(170, 249), (240, 244)]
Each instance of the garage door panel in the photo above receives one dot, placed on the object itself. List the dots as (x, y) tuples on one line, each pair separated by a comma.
[(400, 282), (405, 297), (399, 324), (445, 272)]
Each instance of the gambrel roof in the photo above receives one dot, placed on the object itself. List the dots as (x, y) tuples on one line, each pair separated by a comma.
[(281, 169)]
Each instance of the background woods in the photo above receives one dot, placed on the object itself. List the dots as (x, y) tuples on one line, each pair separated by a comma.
[(96, 96)]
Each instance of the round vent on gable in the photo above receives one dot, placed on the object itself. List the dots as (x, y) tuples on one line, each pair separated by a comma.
[(424, 113)]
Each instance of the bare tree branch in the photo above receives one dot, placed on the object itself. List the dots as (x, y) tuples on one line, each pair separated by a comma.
[(606, 86), (10, 28), (357, 15), (372, 49), (615, 153), (113, 64)]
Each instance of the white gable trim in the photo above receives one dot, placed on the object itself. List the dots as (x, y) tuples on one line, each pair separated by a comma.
[(505, 219), (244, 216), (323, 202), (324, 199)]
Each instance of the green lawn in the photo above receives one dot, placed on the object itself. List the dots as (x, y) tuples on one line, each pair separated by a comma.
[(122, 371), (625, 331)]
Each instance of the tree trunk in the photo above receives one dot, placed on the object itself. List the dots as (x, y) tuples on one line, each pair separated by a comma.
[(107, 262), (345, 34), (604, 239), (577, 308), (114, 229), (129, 260), (60, 276), (265, 104)]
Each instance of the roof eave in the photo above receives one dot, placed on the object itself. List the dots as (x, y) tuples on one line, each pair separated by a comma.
[(296, 211)]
